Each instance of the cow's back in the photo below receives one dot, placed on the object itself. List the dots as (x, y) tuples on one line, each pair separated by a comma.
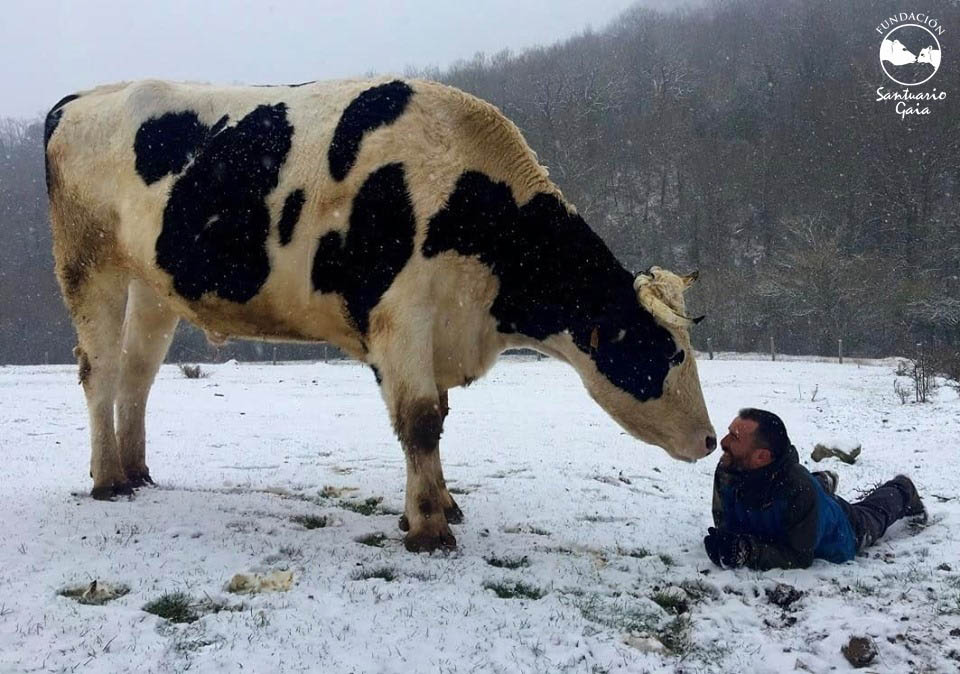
[(162, 166)]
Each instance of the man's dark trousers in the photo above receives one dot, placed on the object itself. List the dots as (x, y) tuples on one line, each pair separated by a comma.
[(872, 515)]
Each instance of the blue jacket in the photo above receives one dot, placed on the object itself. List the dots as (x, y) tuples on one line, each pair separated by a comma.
[(786, 514)]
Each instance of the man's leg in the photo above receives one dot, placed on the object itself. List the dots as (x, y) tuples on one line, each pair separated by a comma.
[(872, 516)]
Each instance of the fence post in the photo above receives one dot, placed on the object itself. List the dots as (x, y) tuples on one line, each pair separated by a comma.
[(710, 347), (840, 349), (773, 352), (274, 355)]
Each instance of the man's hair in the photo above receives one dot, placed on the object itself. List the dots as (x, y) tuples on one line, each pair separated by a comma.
[(770, 433)]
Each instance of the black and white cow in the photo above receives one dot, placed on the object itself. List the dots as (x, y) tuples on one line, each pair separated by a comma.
[(404, 221)]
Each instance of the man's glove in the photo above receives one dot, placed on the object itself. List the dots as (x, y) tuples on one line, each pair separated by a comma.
[(727, 549)]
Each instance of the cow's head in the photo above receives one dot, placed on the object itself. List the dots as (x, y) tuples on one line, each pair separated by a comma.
[(641, 368)]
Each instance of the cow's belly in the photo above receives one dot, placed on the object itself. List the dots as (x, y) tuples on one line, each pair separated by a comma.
[(279, 312)]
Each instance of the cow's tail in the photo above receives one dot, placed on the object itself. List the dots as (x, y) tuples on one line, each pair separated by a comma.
[(49, 127)]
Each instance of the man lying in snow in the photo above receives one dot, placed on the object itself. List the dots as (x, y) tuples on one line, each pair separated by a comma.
[(771, 512)]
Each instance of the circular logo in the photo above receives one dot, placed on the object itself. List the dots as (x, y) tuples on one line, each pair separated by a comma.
[(910, 54)]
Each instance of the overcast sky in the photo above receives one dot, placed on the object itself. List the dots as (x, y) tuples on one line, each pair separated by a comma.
[(49, 49)]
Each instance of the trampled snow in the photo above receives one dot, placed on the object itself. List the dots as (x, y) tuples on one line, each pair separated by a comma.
[(606, 528)]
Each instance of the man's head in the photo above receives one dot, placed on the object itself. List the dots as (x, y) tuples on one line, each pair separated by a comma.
[(754, 439)]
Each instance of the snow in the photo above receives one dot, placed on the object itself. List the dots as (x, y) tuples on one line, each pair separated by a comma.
[(540, 472)]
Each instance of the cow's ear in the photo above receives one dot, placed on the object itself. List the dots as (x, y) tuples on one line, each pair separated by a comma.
[(690, 278), (651, 298)]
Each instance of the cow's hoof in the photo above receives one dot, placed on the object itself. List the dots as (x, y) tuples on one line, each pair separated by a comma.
[(111, 492), (429, 542), (404, 523), (139, 478), (453, 514)]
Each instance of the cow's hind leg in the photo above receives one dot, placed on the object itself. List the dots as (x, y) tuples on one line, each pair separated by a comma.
[(418, 423), (450, 508), (403, 355), (147, 332), (97, 302)]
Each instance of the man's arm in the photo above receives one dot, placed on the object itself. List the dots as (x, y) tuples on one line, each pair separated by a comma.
[(717, 502), (795, 549)]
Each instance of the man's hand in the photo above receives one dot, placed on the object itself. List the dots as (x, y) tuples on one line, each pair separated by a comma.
[(727, 549)]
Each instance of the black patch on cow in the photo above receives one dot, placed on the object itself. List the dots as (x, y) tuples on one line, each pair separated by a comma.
[(376, 374), (362, 266), (555, 275), (291, 213), (163, 145), (49, 126), (216, 221), (218, 126), (53, 118), (375, 107)]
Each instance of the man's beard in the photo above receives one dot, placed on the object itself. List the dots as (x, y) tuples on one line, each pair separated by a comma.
[(732, 463)]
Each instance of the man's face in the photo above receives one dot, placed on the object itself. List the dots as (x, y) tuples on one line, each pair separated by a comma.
[(740, 452)]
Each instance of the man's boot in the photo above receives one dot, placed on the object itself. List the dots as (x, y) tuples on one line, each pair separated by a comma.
[(915, 509), (828, 479)]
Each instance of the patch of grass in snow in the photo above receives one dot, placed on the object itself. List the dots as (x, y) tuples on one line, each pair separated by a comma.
[(310, 521), (383, 573), (177, 607), (914, 574), (949, 605), (329, 491), (187, 646), (671, 602), (621, 615), (536, 531), (675, 635), (370, 506), (518, 590), (286, 553), (459, 490), (698, 590), (628, 616), (373, 540), (666, 559), (502, 474), (600, 519), (291, 552), (508, 562), (638, 553)]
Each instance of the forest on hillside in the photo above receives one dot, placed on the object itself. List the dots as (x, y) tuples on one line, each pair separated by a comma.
[(742, 138)]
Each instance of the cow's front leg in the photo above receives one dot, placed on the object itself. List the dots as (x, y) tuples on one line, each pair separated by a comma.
[(418, 424)]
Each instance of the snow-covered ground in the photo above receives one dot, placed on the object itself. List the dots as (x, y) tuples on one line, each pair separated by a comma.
[(603, 526)]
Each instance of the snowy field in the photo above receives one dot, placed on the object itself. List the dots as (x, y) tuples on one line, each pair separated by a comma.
[(592, 538)]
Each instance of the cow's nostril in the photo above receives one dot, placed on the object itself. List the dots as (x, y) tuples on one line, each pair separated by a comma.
[(711, 443)]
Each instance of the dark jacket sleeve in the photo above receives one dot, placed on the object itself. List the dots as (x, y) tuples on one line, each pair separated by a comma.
[(717, 502), (794, 548)]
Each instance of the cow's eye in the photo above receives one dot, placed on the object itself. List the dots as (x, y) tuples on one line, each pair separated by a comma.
[(677, 358)]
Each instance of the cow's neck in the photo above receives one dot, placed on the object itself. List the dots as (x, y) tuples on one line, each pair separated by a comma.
[(556, 276)]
